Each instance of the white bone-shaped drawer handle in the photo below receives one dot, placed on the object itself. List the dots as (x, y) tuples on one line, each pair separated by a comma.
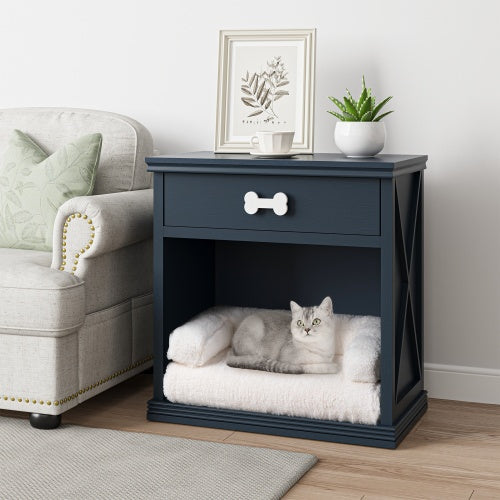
[(279, 203)]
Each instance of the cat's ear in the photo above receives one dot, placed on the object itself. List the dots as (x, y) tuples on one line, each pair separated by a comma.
[(327, 305), (294, 307)]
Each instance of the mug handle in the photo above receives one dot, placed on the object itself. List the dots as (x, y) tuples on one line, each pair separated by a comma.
[(252, 141)]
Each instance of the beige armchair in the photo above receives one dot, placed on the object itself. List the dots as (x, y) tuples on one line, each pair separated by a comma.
[(77, 321)]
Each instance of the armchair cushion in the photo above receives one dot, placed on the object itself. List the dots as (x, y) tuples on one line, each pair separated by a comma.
[(36, 300), (33, 185)]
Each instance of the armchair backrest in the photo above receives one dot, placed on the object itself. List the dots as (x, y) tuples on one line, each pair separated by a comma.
[(125, 141)]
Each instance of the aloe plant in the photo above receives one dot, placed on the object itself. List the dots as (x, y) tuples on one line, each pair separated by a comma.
[(363, 110)]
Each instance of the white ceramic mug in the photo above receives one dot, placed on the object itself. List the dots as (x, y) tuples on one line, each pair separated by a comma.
[(269, 142)]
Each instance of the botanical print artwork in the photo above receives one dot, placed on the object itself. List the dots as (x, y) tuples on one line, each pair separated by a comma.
[(265, 89), (260, 90), (266, 83)]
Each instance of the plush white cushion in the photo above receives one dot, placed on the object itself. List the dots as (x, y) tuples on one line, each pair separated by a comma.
[(35, 299), (196, 342), (125, 141), (328, 397), (362, 355)]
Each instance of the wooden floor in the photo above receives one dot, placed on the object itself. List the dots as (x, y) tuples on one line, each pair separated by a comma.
[(454, 452)]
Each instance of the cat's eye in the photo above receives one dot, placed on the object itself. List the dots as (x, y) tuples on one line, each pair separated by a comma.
[(316, 321), (300, 323)]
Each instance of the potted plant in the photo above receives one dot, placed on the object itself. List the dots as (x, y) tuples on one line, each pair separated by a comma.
[(360, 132)]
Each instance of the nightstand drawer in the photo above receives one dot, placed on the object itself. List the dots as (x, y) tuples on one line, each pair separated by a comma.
[(311, 205)]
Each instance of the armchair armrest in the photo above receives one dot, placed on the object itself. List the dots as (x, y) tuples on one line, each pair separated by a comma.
[(88, 226)]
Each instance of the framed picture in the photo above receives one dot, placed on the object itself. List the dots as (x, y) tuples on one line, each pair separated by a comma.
[(266, 82)]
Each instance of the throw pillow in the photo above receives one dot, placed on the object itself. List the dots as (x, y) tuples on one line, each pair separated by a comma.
[(33, 185)]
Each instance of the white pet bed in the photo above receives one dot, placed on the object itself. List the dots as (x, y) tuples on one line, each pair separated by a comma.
[(213, 383), (328, 397)]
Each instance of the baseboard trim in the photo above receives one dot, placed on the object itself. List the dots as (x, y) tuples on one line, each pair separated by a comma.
[(463, 383)]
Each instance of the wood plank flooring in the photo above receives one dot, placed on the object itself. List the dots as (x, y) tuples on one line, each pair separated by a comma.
[(453, 453)]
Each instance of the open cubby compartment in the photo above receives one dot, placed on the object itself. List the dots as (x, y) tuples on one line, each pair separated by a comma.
[(267, 275), (201, 273)]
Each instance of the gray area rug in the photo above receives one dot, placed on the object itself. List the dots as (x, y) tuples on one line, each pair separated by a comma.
[(74, 462)]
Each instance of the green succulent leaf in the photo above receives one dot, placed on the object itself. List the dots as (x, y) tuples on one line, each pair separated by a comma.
[(380, 106), (382, 116), (350, 108), (367, 117), (337, 103), (338, 115), (350, 97), (364, 107), (350, 118), (362, 99)]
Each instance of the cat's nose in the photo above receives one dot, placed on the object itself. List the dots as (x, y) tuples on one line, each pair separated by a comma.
[(307, 330)]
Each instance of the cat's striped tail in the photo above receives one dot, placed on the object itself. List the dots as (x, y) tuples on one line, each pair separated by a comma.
[(251, 362)]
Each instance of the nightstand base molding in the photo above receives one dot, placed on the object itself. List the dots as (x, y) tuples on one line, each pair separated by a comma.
[(297, 427)]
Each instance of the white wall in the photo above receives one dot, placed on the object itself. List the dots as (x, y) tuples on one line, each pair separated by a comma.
[(157, 62)]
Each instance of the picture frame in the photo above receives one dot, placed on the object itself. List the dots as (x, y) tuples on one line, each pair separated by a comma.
[(266, 81)]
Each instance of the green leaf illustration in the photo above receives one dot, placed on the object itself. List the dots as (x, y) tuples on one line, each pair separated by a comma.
[(22, 216), (13, 198)]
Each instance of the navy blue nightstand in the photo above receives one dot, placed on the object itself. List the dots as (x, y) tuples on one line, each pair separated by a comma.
[(352, 229)]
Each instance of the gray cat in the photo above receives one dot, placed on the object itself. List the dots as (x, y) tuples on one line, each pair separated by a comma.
[(300, 341)]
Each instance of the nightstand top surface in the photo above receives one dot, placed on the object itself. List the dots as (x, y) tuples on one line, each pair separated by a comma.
[(384, 165)]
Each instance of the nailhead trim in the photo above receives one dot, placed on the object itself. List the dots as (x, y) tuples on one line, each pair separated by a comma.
[(81, 391), (76, 215)]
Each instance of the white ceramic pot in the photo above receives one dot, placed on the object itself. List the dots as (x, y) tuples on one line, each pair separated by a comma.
[(360, 139)]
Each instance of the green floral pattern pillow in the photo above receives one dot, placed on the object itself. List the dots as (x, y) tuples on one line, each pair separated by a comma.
[(33, 185)]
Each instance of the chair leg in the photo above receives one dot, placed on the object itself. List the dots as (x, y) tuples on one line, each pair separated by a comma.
[(43, 421)]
